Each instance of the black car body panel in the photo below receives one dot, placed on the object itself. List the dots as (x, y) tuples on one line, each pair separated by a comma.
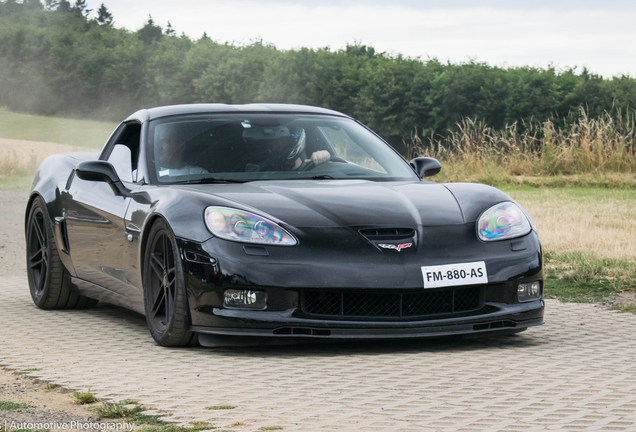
[(102, 240)]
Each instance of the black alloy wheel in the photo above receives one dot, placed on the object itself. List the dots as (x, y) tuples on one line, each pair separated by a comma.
[(48, 279), (164, 290), (38, 254)]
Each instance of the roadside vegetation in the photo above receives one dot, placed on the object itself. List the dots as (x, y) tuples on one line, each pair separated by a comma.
[(61, 59), (131, 412), (80, 133), (15, 173), (84, 398), (7, 405), (25, 140), (588, 237), (582, 151)]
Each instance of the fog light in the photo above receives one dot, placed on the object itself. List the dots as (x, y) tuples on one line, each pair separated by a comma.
[(529, 291), (245, 299)]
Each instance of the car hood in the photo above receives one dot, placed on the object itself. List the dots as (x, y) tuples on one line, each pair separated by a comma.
[(337, 203)]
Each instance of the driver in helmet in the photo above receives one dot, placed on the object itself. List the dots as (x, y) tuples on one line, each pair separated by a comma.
[(294, 155), (287, 151)]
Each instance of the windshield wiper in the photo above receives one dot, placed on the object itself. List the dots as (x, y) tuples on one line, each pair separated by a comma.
[(210, 180), (323, 177)]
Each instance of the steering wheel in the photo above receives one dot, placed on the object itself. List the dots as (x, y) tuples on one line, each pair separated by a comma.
[(308, 166), (238, 165)]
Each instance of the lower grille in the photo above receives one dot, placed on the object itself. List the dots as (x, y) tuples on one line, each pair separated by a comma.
[(343, 304)]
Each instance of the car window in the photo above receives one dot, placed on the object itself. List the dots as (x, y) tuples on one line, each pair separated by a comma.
[(346, 148), (250, 147), (130, 137), (121, 159)]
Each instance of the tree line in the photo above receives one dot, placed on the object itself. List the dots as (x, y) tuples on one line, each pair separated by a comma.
[(60, 58)]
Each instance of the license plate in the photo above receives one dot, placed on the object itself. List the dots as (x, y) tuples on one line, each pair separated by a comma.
[(455, 274)]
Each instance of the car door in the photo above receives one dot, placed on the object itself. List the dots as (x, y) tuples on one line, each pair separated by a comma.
[(95, 216)]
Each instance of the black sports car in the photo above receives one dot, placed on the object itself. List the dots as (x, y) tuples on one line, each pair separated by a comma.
[(276, 221)]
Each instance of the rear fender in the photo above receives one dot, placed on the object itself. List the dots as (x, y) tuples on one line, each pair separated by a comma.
[(50, 182)]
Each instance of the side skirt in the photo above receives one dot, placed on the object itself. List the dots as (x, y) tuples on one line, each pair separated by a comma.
[(102, 294)]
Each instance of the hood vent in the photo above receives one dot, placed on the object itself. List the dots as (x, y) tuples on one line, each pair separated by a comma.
[(387, 233), (385, 239)]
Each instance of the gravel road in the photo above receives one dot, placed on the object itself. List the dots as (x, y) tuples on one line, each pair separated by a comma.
[(45, 405)]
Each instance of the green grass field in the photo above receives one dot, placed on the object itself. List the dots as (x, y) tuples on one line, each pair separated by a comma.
[(588, 236), (84, 133), (16, 182)]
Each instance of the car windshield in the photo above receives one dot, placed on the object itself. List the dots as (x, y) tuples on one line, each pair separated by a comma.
[(249, 147)]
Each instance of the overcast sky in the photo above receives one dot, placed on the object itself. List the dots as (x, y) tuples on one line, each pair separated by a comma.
[(598, 34)]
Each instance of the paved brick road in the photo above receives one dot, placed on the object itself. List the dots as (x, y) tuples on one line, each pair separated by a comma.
[(577, 372)]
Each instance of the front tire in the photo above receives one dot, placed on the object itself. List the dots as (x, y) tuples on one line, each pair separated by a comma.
[(164, 290), (45, 271)]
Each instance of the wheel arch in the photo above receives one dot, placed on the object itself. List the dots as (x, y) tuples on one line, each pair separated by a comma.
[(144, 238), (144, 245), (32, 198)]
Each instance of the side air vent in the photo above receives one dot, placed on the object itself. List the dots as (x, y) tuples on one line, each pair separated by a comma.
[(69, 181), (387, 233), (61, 234)]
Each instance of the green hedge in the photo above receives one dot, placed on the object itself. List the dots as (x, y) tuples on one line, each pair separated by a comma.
[(61, 63)]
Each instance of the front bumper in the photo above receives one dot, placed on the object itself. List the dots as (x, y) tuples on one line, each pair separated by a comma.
[(287, 273), (284, 324)]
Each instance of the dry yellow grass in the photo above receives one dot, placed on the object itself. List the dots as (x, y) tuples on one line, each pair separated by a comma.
[(18, 156), (584, 146), (595, 221)]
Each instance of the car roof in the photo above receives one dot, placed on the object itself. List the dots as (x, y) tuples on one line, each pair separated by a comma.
[(170, 110)]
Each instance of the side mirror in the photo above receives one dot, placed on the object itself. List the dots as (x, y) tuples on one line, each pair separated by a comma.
[(426, 166), (102, 171)]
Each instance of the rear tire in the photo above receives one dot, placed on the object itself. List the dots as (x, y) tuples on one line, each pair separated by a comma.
[(48, 279), (164, 290)]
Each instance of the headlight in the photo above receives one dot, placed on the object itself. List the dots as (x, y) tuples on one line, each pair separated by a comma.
[(502, 221), (238, 225)]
